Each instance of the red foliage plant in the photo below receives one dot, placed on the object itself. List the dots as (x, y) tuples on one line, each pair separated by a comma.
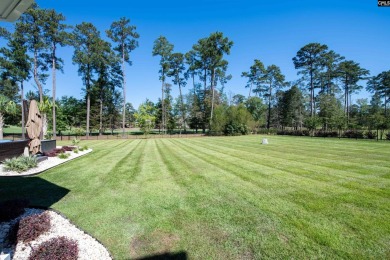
[(58, 248), (33, 226), (67, 148), (56, 151)]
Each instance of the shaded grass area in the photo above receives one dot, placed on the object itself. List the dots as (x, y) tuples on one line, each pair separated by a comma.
[(226, 197)]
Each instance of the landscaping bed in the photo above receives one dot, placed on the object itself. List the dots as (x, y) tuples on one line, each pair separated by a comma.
[(54, 158), (46, 234)]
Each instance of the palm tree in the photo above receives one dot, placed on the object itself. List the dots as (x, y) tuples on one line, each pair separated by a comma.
[(45, 107)]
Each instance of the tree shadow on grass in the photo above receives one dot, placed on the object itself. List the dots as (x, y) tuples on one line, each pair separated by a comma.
[(39, 192), (166, 256)]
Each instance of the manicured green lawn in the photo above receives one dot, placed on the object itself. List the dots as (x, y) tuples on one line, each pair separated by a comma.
[(226, 197), (12, 129)]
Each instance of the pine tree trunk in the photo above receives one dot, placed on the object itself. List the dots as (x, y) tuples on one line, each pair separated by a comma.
[(54, 92), (101, 118), (182, 109), (204, 102), (36, 79), (348, 107), (88, 112), (87, 87), (124, 91), (345, 101), (212, 97), (23, 116), (1, 126), (269, 107), (311, 95), (163, 107)]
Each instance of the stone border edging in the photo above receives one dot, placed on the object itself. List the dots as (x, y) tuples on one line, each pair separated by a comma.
[(39, 172)]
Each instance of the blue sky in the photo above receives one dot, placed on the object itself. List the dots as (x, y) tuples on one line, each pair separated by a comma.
[(272, 31)]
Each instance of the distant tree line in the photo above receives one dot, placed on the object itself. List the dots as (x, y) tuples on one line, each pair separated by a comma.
[(319, 102)]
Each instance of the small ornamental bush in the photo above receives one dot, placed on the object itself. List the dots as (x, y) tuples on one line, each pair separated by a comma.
[(75, 141), (83, 148), (63, 155), (353, 134), (33, 226), (370, 135), (20, 164), (293, 132), (58, 248), (326, 134), (76, 150), (10, 209)]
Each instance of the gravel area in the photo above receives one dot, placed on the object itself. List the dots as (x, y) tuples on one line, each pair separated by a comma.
[(44, 165), (89, 248)]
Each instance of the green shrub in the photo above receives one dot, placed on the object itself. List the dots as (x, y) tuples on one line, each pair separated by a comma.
[(20, 164), (63, 155), (236, 129), (370, 135), (76, 150), (56, 248), (78, 131), (49, 135), (75, 141), (31, 227), (83, 148), (353, 134), (293, 132)]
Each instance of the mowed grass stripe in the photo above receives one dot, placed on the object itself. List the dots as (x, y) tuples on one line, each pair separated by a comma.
[(155, 199), (341, 148), (342, 153), (342, 187), (321, 171), (360, 194), (100, 162), (110, 197), (269, 203), (330, 147), (276, 171), (311, 201), (374, 178), (211, 205)]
